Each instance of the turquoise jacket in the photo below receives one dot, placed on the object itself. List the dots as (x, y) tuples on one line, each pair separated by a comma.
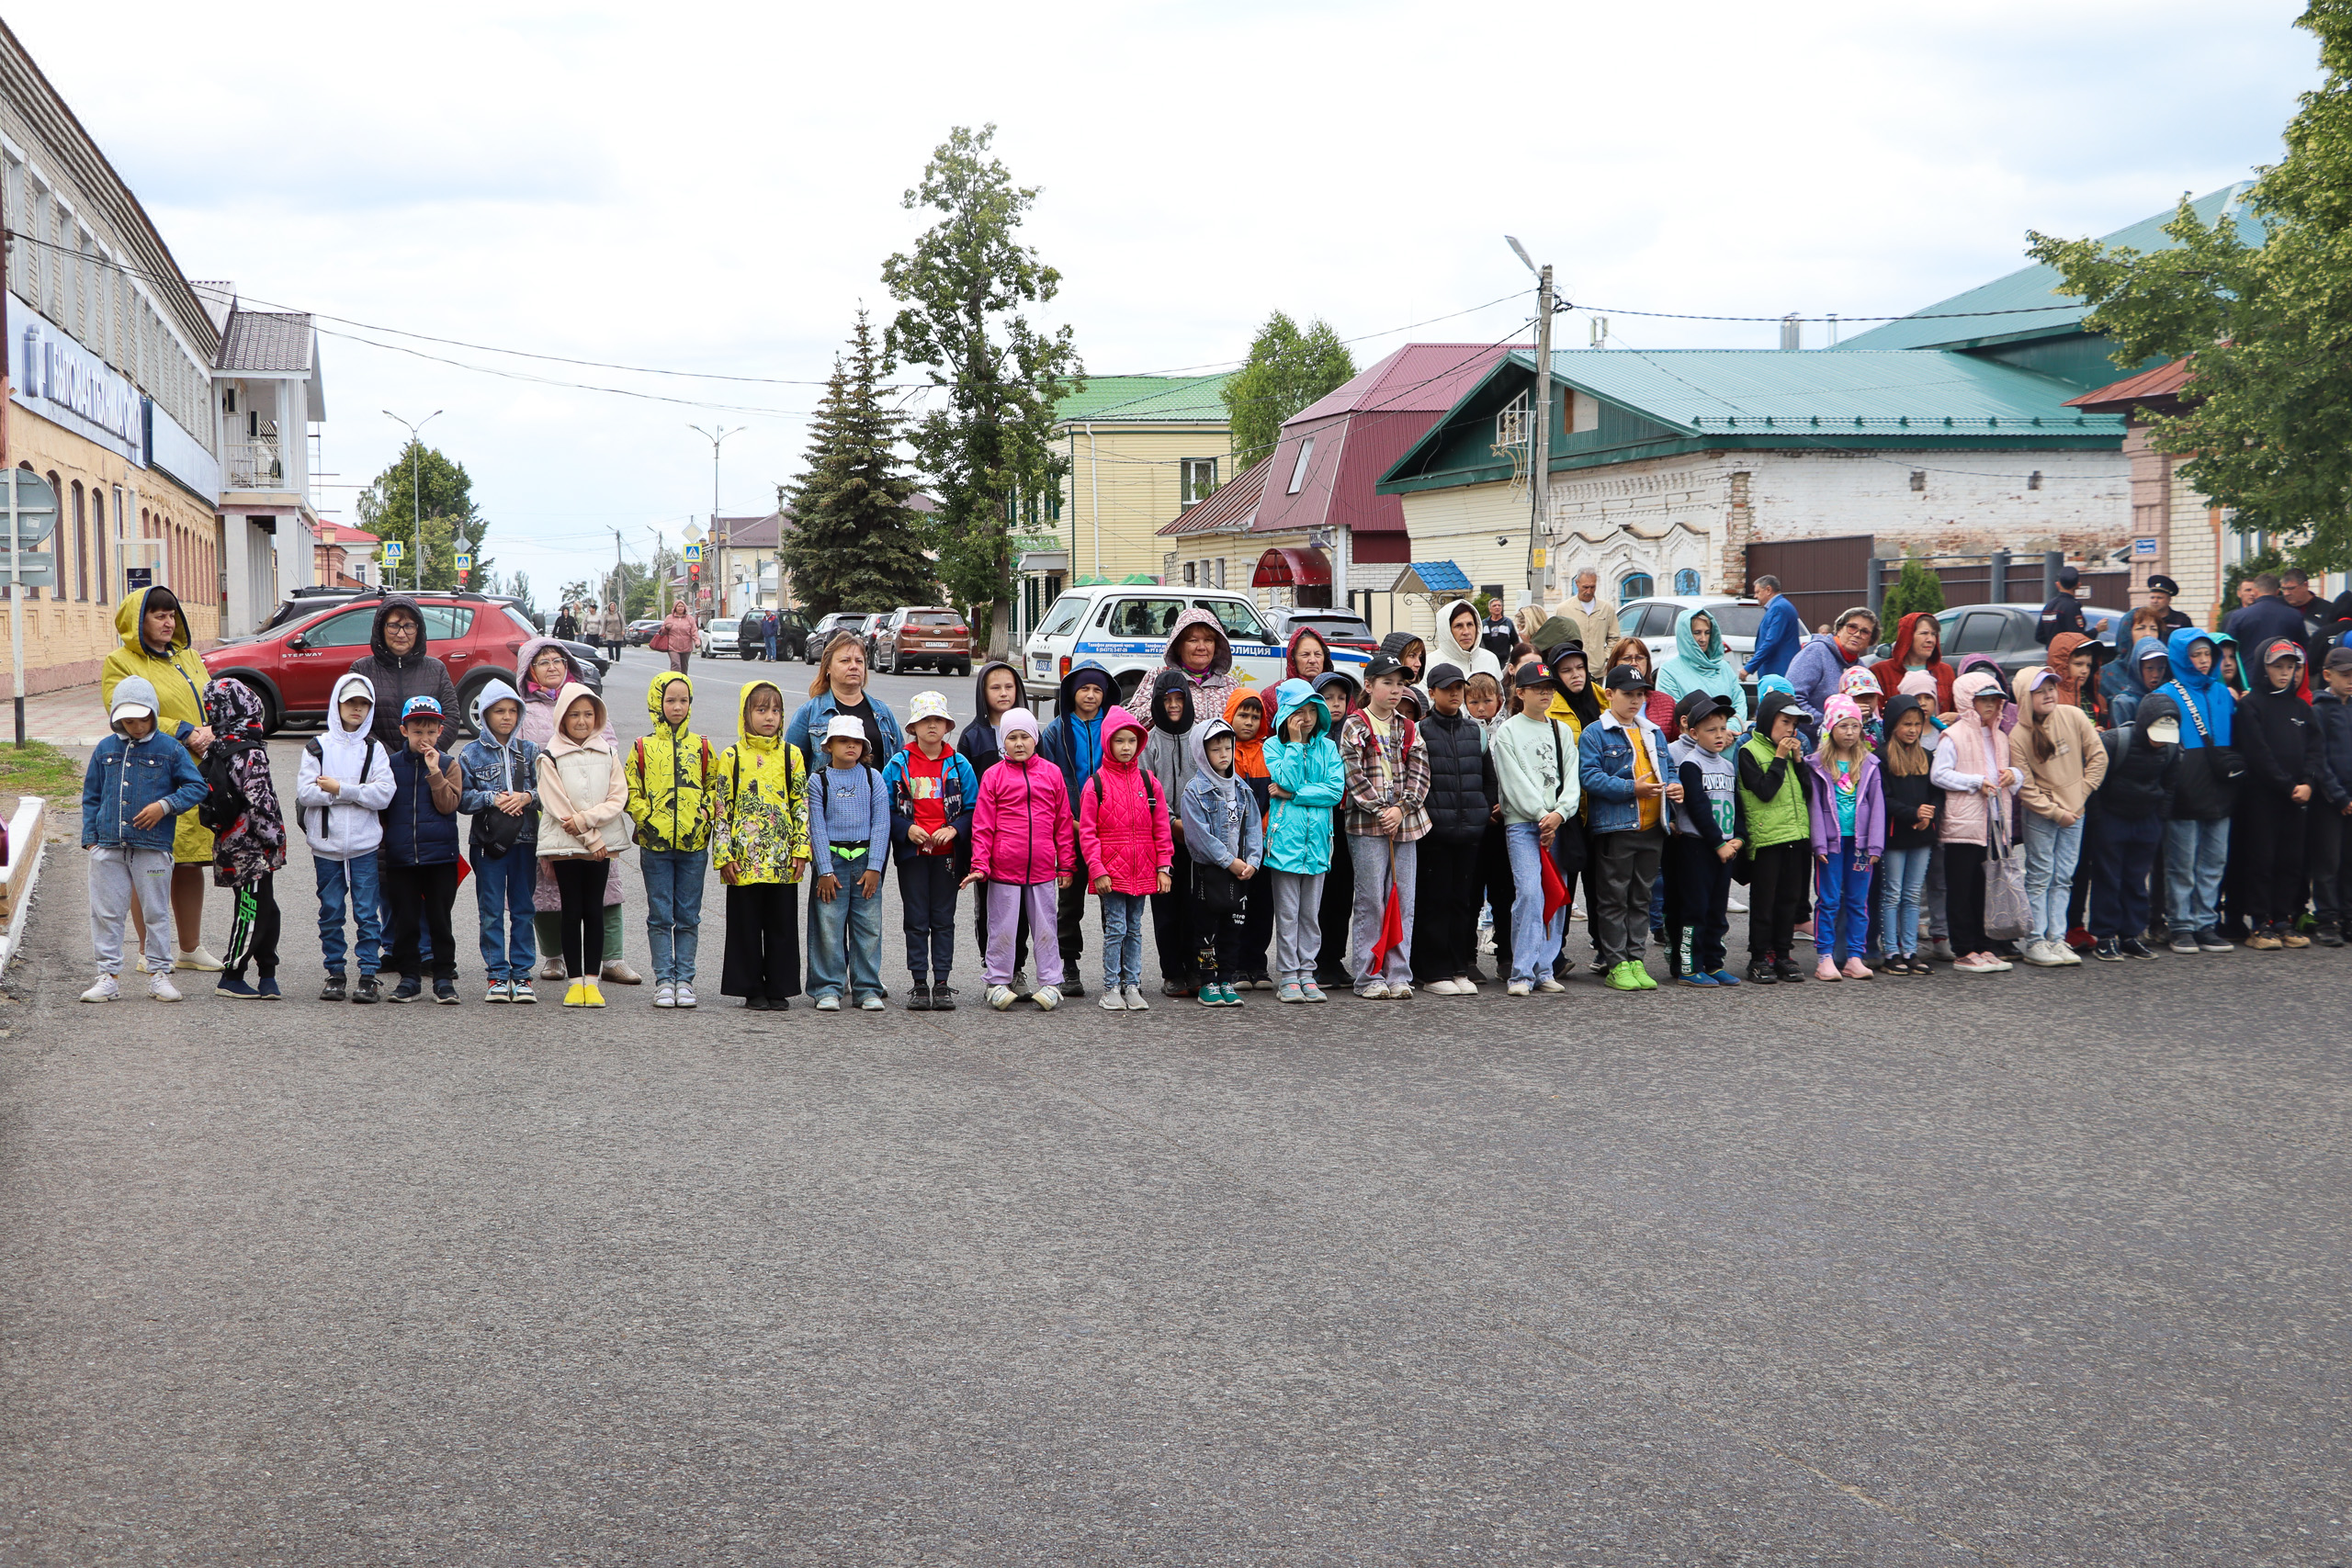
[(1298, 830)]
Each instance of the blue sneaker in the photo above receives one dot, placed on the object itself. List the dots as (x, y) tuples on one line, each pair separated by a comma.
[(267, 990), (1726, 977), (1700, 977), (237, 985)]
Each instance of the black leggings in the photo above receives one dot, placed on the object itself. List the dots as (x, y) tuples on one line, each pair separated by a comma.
[(1964, 896), (580, 885)]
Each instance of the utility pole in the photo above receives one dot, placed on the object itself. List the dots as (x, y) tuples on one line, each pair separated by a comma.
[(416, 486), (612, 599), (714, 437), (1539, 440)]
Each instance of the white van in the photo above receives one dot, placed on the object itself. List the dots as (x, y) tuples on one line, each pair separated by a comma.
[(1123, 626)]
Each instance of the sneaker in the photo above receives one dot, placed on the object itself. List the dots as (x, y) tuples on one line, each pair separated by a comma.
[(266, 988), (1290, 991), (1548, 984), (1735, 905), (369, 991), (1176, 990), (1621, 978), (665, 995), (1826, 969), (872, 1003), (1856, 969), (1134, 998), (551, 968), (1440, 987), (574, 992), (1376, 991), (2108, 951), (2328, 936), (2081, 941), (1940, 951), (236, 986), (590, 993), (196, 958), (2000, 964), (942, 998), (2294, 938), (918, 997), (2210, 940), (2038, 954), (1113, 1003), (1724, 977), (1313, 992), (520, 992), (1021, 985), (684, 994), (498, 991), (1641, 973), (409, 990), (1790, 972), (1210, 995), (830, 1003), (1258, 982), (446, 992), (1400, 993), (161, 989), (334, 990), (1000, 998), (107, 989), (2265, 940), (1973, 964), (1047, 998), (1697, 977), (2133, 947), (2185, 941), (1762, 973), (1519, 988), (615, 972), (1073, 988), (759, 1004), (2065, 954)]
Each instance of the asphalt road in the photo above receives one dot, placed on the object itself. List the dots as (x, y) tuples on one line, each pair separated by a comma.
[(2039, 1269)]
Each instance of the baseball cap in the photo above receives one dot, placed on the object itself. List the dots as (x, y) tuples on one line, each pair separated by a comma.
[(1697, 707), (415, 706), (1447, 676), (927, 704), (2282, 648), (1625, 678), (2338, 659), (128, 709), (1382, 664), (1536, 675)]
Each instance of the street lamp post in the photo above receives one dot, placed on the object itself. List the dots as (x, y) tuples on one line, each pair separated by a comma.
[(714, 437), (416, 486)]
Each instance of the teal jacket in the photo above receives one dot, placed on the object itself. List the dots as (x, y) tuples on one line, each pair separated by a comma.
[(1298, 830)]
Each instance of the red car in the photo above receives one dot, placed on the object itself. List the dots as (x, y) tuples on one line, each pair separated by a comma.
[(295, 666)]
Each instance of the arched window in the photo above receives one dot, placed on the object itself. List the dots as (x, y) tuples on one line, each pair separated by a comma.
[(1686, 582), (1635, 585), (98, 529), (81, 549)]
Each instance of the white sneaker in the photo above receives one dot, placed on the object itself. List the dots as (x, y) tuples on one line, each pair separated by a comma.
[(1376, 991), (1549, 983), (871, 1004), (1398, 993), (1001, 996), (2038, 955), (2066, 954), (1519, 988), (1736, 906), (1047, 998), (1113, 1003), (160, 988), (1465, 987), (665, 995), (198, 959), (1133, 994), (682, 994), (107, 989), (1440, 987), (828, 1004)]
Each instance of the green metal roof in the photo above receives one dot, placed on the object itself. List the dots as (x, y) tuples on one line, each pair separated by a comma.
[(1146, 399), (1759, 391), (2030, 292)]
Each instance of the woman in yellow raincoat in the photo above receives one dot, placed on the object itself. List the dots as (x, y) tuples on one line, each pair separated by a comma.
[(156, 645)]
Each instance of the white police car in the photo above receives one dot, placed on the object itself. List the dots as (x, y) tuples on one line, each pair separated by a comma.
[(1123, 626)]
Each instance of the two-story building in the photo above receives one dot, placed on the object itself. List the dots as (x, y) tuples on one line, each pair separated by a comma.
[(1139, 450), (267, 393)]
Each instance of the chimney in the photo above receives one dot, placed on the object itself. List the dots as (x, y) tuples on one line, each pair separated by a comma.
[(1792, 332)]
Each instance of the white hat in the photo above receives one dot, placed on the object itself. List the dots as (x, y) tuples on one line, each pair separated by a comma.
[(927, 704), (843, 728)]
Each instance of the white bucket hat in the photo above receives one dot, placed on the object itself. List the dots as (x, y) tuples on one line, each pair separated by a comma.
[(927, 704), (841, 727)]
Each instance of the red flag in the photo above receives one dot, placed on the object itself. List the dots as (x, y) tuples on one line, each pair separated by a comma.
[(1555, 892), (1392, 924)]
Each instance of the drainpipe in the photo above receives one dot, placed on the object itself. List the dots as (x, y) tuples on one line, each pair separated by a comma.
[(1094, 485)]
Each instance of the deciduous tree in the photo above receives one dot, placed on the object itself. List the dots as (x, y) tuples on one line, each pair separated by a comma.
[(1287, 370)]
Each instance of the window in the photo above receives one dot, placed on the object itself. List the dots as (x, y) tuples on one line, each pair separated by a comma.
[(347, 630), (81, 547), (1298, 470), (1919, 479), (1147, 618), (1220, 571), (1635, 585), (1191, 574), (521, 621), (1198, 480), (1980, 632), (99, 528), (1686, 582), (934, 618), (1238, 618), (1067, 611), (446, 622)]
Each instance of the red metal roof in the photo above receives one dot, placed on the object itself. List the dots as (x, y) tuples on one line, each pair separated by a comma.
[(1229, 507), (2161, 386), (1359, 432)]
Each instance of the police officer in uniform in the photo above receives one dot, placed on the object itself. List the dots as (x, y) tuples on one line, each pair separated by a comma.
[(2064, 612), (2162, 591)]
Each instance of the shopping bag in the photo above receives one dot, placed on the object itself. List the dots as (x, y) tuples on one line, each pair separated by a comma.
[(2007, 915)]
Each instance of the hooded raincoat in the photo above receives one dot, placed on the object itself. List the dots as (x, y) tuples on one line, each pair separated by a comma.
[(1123, 818), (581, 779), (1313, 779), (1891, 669), (669, 776), (1692, 668), (2208, 720), (254, 846), (178, 677), (2125, 695), (1208, 689), (762, 822)]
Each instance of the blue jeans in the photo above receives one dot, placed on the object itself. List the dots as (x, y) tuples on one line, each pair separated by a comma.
[(673, 880), (358, 878), (845, 934), (503, 899), (1841, 915), (2051, 852), (1123, 939), (1902, 878), (1534, 941), (2196, 853)]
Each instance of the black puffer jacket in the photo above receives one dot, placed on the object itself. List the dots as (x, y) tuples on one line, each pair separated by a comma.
[(2141, 770), (1461, 778), (398, 677), (2277, 733)]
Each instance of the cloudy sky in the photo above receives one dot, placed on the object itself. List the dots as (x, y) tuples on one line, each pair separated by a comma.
[(713, 188)]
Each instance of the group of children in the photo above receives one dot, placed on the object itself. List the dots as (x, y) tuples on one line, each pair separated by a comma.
[(1952, 819)]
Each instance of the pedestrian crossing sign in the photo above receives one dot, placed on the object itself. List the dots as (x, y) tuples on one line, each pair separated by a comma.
[(693, 553), (465, 563), (394, 549)]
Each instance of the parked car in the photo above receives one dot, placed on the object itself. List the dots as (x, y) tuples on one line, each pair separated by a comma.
[(294, 667), (1338, 628), (720, 634), (791, 634), (1653, 620), (826, 628), (1125, 627), (930, 634), (868, 628), (639, 632), (2006, 633)]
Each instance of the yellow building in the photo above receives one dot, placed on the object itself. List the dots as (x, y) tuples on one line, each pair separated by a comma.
[(1141, 449)]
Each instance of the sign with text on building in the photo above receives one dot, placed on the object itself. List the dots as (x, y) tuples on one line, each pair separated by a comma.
[(62, 381), (2144, 549)]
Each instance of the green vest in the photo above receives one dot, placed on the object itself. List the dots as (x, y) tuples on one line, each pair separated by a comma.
[(1783, 818)]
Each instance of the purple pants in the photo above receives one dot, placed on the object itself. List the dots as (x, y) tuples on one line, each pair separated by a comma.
[(1005, 901)]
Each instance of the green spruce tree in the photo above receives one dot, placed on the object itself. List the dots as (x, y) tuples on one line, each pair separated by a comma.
[(1917, 589), (853, 544)]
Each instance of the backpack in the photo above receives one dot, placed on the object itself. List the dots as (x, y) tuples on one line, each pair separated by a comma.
[(223, 803), (367, 765), (1150, 787)]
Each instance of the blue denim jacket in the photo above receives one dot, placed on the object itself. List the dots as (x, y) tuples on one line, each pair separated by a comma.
[(124, 777), (1605, 768)]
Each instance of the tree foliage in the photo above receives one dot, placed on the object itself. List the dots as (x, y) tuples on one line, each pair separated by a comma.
[(1918, 589), (965, 290), (387, 509), (853, 544), (1287, 370), (2268, 328)]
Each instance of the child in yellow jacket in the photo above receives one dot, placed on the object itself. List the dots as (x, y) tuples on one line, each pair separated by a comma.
[(760, 843)]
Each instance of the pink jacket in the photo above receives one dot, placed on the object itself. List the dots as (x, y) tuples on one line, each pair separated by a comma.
[(1123, 819), (1020, 826)]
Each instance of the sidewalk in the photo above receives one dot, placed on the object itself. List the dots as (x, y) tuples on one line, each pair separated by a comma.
[(69, 717)]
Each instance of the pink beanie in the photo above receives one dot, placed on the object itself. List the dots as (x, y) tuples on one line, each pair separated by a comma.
[(1917, 683), (1838, 709)]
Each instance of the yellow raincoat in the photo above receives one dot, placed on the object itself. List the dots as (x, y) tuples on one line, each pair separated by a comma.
[(671, 775), (178, 677), (763, 806)]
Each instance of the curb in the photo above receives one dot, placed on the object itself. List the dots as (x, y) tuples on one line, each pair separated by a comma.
[(28, 825)]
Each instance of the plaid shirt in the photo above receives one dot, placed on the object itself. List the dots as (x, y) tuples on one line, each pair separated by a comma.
[(1378, 778)]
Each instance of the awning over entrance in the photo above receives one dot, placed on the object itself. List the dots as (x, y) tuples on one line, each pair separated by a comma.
[(1287, 566)]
